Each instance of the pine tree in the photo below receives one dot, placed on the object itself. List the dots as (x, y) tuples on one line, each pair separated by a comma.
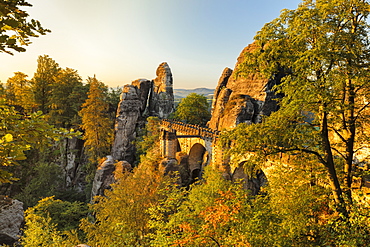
[(97, 127), (44, 78)]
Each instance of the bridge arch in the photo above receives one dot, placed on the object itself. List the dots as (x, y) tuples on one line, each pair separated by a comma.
[(177, 146), (252, 179), (198, 157)]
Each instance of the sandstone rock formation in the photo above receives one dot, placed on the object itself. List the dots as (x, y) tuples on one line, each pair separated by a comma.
[(139, 100), (11, 219), (162, 93), (71, 161), (129, 118), (242, 98), (250, 183), (105, 175)]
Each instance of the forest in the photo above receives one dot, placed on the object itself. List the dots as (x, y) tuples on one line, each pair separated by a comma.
[(313, 149)]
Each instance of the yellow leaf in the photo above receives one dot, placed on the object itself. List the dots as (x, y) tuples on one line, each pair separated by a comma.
[(8, 138)]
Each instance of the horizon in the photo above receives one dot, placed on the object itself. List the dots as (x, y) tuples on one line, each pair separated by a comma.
[(121, 41)]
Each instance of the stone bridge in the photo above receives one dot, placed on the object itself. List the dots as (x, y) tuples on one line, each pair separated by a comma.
[(197, 142), (200, 146)]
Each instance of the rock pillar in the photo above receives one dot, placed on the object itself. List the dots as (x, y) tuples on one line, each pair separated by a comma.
[(168, 144)]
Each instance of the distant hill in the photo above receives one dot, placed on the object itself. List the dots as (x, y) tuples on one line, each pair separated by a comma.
[(182, 93)]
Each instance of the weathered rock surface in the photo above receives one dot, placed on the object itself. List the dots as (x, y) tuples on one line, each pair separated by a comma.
[(253, 184), (105, 175), (72, 162), (242, 98), (11, 219), (139, 100), (129, 118), (161, 100), (222, 82)]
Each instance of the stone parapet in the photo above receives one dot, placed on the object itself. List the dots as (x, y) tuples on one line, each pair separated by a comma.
[(189, 129)]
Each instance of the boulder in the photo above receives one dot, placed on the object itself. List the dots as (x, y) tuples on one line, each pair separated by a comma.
[(103, 177), (11, 219)]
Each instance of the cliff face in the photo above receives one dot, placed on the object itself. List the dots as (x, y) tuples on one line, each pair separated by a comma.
[(242, 99), (129, 117), (139, 100)]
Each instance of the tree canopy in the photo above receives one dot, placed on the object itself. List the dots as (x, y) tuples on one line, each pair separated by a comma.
[(19, 91), (43, 81), (19, 133), (309, 150), (323, 49), (194, 109), (16, 28)]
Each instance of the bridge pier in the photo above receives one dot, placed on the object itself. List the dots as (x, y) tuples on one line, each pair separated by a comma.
[(168, 144)]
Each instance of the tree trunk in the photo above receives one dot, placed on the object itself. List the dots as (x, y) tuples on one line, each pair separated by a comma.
[(330, 165), (350, 141)]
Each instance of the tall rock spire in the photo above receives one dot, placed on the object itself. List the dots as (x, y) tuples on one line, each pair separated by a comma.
[(161, 100), (140, 99)]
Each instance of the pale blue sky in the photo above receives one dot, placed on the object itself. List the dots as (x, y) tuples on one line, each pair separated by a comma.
[(124, 40)]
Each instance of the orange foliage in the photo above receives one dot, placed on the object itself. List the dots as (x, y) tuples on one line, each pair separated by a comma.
[(221, 215)]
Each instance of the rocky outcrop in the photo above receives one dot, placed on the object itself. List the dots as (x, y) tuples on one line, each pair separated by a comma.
[(222, 82), (162, 93), (11, 219), (242, 98), (71, 161), (129, 118), (106, 174), (254, 183), (139, 100)]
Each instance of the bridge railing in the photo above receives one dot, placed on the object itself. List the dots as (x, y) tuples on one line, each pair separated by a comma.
[(190, 129)]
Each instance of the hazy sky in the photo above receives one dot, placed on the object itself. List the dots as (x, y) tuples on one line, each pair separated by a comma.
[(124, 40)]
